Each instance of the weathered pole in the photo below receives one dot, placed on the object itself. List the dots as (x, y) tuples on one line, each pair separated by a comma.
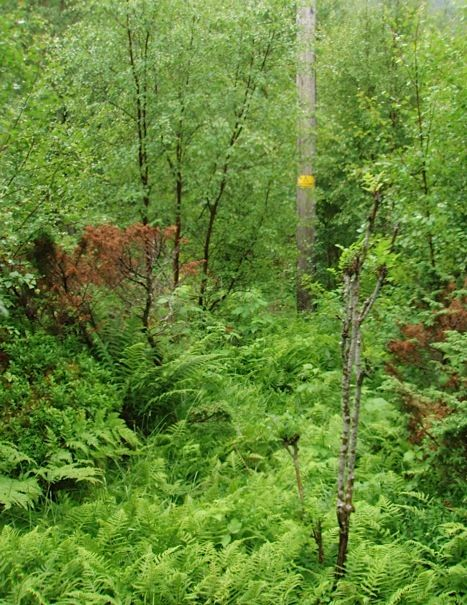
[(306, 203)]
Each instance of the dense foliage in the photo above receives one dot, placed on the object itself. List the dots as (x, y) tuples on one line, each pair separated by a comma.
[(171, 427)]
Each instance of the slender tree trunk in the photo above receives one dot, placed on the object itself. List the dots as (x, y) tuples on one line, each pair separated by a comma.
[(241, 115), (306, 206), (140, 83), (350, 338), (353, 375), (318, 538), (424, 143), (179, 157), (176, 166), (206, 253), (178, 216), (291, 445)]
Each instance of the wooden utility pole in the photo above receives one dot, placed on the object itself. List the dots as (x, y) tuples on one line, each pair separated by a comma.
[(306, 206)]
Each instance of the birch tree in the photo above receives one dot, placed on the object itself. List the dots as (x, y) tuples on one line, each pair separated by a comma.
[(353, 367)]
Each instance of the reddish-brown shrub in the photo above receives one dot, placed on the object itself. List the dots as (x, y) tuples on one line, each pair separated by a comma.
[(412, 359), (132, 262), (416, 345)]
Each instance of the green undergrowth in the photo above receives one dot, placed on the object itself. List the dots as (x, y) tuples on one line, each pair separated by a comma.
[(201, 507)]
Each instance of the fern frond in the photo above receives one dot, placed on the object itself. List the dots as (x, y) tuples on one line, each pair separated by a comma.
[(53, 474), (18, 492)]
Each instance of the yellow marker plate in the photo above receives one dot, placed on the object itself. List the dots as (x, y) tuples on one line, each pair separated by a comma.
[(306, 181)]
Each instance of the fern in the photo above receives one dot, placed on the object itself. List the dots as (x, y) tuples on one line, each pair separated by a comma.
[(18, 492), (73, 471), (204, 510), (112, 342), (19, 489)]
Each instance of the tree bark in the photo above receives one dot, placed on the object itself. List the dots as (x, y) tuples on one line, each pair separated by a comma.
[(353, 375), (306, 205)]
